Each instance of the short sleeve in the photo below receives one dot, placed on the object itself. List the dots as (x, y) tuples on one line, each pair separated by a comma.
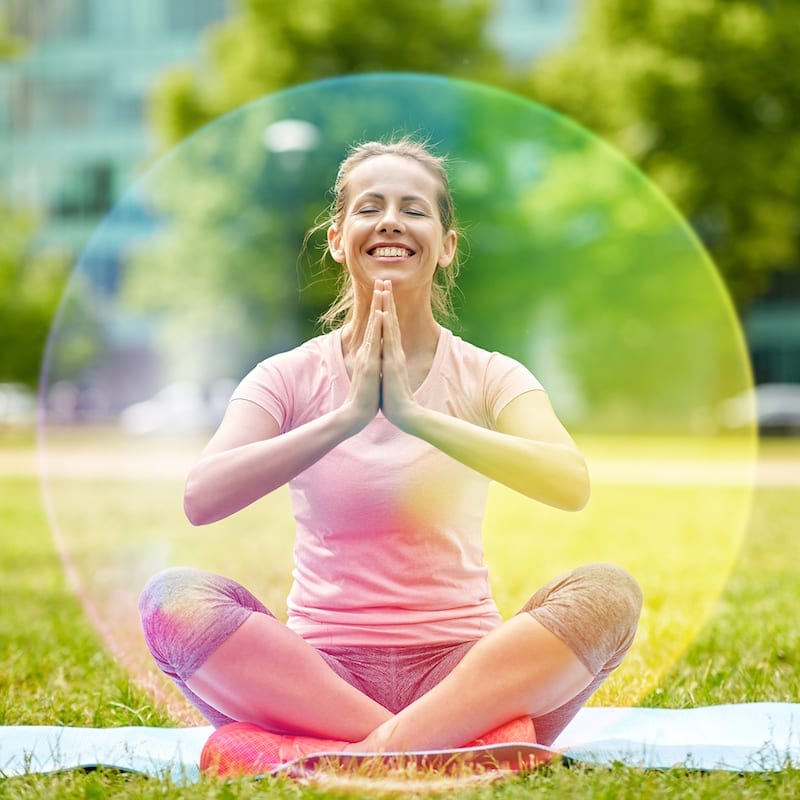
[(505, 380), (266, 386)]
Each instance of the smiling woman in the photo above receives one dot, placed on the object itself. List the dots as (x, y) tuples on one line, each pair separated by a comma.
[(388, 430), (435, 182)]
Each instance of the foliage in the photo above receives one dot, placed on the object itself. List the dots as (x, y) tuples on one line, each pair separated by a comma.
[(30, 289), (585, 248), (703, 95), (271, 46), (11, 46), (237, 213)]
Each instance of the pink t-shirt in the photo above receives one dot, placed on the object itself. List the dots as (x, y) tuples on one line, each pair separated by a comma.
[(388, 549)]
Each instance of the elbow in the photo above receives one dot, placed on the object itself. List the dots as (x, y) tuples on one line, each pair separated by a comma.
[(580, 489), (583, 489), (579, 500), (194, 517), (196, 511)]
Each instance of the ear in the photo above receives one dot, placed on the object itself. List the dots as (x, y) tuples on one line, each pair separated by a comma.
[(449, 245), (335, 244)]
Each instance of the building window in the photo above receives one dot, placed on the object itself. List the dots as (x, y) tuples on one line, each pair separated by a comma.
[(52, 19), (86, 191)]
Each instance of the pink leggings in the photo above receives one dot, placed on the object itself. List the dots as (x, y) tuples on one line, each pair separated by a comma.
[(187, 614)]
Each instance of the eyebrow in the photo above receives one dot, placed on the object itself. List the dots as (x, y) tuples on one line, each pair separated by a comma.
[(406, 198)]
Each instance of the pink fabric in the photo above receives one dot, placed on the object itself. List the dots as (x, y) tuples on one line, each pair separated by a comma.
[(388, 548)]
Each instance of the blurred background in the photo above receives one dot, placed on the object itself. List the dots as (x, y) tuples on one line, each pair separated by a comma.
[(702, 96)]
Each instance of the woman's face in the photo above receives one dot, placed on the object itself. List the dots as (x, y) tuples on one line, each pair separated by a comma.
[(391, 228)]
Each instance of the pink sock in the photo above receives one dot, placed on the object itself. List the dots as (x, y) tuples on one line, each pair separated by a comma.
[(517, 730), (244, 748)]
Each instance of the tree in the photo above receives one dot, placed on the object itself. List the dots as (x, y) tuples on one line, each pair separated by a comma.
[(271, 46), (703, 95), (31, 284), (576, 265)]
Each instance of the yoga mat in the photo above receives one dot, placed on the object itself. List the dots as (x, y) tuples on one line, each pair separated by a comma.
[(751, 737)]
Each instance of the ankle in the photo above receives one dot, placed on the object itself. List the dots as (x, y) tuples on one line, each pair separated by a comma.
[(375, 742)]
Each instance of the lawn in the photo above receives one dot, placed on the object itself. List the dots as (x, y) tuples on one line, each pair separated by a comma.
[(720, 624)]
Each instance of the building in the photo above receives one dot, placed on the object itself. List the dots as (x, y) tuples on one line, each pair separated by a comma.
[(772, 327), (73, 111)]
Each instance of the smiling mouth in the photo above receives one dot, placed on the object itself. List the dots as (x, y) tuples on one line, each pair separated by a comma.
[(391, 252)]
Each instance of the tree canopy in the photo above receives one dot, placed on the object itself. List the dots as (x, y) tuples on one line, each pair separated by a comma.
[(30, 289), (271, 46), (576, 265), (704, 96)]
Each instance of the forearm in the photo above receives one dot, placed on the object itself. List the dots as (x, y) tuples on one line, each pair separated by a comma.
[(224, 482), (552, 472)]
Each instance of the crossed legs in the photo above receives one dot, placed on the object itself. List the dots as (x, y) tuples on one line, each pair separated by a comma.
[(545, 662), (518, 669), (265, 673)]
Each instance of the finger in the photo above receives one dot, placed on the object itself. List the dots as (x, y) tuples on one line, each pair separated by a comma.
[(373, 333), (391, 321), (388, 300)]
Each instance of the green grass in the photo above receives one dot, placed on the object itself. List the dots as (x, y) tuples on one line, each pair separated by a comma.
[(55, 670)]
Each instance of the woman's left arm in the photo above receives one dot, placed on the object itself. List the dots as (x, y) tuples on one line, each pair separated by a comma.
[(529, 450)]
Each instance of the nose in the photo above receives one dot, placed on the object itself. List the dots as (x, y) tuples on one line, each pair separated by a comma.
[(390, 221)]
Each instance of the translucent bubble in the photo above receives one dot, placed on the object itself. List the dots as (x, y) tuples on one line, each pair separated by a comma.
[(574, 264)]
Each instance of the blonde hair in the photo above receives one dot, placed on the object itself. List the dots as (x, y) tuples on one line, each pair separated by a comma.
[(444, 280)]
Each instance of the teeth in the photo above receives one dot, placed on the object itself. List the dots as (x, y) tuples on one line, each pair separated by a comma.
[(391, 252)]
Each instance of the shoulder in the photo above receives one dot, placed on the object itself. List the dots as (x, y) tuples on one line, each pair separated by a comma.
[(307, 356), (490, 365), (476, 384), (286, 383)]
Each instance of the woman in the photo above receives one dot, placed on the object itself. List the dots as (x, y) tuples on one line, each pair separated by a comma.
[(388, 430)]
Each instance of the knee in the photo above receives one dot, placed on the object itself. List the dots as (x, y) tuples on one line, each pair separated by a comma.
[(614, 590), (612, 605), (168, 607), (166, 588), (186, 613), (595, 609), (602, 589), (615, 600)]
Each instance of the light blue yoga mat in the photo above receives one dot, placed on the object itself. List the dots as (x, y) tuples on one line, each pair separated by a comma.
[(751, 737)]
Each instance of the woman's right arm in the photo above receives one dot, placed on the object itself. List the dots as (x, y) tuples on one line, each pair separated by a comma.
[(248, 458)]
